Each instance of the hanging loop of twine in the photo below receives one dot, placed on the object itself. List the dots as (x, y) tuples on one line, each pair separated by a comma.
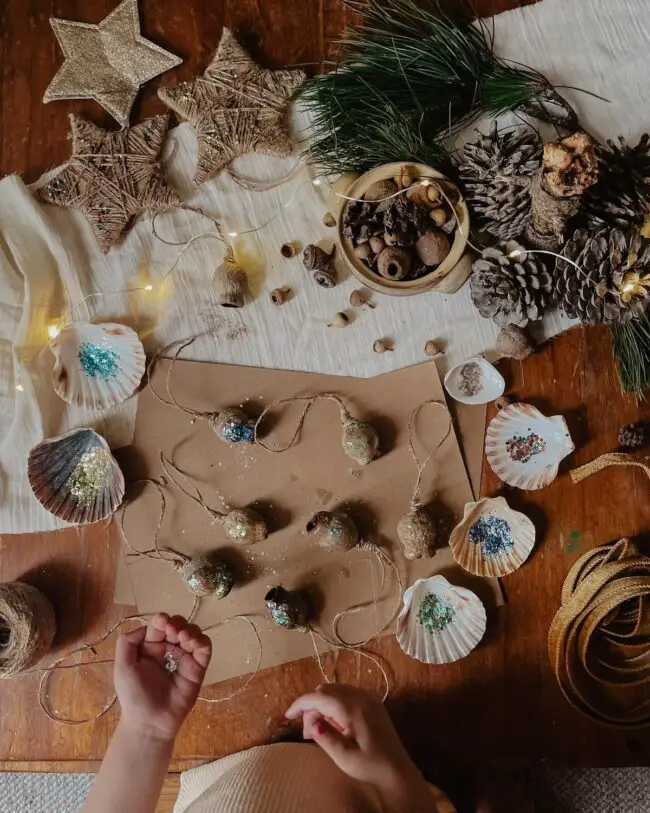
[(421, 466), (599, 639), (309, 401)]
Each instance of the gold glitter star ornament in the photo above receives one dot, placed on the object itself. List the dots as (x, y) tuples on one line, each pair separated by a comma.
[(236, 107), (113, 177), (107, 62)]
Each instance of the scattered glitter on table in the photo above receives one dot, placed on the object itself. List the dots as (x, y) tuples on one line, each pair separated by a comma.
[(435, 613), (493, 534), (89, 475), (522, 448), (97, 361), (471, 379)]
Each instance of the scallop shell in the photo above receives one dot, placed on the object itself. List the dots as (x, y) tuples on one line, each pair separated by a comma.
[(492, 382), (440, 623), (75, 477), (97, 366), (492, 539), (525, 448)]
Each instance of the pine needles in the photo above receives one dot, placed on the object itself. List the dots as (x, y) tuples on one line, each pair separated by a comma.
[(631, 349), (407, 80)]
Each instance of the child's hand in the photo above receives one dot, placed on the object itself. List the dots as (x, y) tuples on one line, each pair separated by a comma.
[(357, 734), (153, 699)]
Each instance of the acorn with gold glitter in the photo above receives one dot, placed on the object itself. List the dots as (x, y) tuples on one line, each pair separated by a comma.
[(333, 531), (417, 533), (206, 576), (288, 608), (360, 440)]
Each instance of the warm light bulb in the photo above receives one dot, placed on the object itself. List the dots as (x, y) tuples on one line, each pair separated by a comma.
[(53, 331), (232, 234), (317, 182), (20, 388), (517, 252), (148, 287), (628, 287), (426, 182)]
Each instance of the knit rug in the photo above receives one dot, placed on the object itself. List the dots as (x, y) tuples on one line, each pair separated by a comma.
[(615, 790)]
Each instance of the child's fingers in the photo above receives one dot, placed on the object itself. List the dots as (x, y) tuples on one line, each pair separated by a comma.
[(310, 719), (126, 649), (197, 644), (325, 705), (174, 627), (156, 628)]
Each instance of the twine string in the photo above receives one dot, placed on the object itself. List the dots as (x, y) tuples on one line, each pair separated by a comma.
[(156, 552), (309, 400), (197, 497), (415, 497), (605, 460)]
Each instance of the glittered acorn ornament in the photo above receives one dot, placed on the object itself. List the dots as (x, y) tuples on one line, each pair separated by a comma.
[(230, 282), (288, 608), (416, 529), (360, 439), (231, 424), (241, 525), (333, 531)]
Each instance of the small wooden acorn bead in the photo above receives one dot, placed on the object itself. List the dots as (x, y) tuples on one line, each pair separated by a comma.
[(360, 299), (206, 576), (340, 319), (245, 526), (360, 440), (329, 220), (432, 348), (394, 263), (288, 608), (279, 296), (417, 532), (233, 425), (231, 284), (288, 250), (333, 531)]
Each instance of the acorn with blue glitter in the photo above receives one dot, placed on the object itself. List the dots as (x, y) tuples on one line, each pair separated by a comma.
[(333, 531), (492, 539), (288, 608), (233, 425)]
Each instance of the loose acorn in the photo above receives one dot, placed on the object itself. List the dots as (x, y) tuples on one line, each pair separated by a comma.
[(244, 526), (333, 531), (280, 295), (340, 320), (230, 284), (206, 576), (417, 533), (319, 262), (394, 263), (329, 220), (432, 349), (288, 250), (359, 299), (288, 608), (360, 440), (381, 347)]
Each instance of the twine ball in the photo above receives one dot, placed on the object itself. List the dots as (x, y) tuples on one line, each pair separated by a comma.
[(27, 627)]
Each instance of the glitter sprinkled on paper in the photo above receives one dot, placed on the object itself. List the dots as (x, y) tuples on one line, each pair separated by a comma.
[(493, 534), (435, 613), (522, 448), (89, 475), (97, 361)]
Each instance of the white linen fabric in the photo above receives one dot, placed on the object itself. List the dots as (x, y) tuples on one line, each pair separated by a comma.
[(49, 259)]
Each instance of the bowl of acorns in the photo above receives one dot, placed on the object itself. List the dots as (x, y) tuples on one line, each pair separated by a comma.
[(403, 230)]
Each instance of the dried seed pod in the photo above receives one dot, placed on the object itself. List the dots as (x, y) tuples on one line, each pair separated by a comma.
[(405, 177), (417, 532), (360, 299), (325, 277), (363, 251), (233, 425), (514, 342), (339, 320), (231, 284), (360, 440), (288, 608), (329, 220), (206, 576), (381, 347), (377, 244), (439, 215), (280, 295), (288, 250), (245, 526), (333, 531), (394, 263), (432, 248), (432, 348), (314, 257), (502, 403), (380, 190), (390, 238)]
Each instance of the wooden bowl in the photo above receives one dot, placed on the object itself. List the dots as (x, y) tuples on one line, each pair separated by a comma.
[(448, 277)]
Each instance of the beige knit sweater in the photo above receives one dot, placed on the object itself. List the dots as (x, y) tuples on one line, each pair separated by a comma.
[(283, 778)]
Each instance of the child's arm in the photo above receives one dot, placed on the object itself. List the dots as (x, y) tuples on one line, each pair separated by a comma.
[(356, 732), (154, 704)]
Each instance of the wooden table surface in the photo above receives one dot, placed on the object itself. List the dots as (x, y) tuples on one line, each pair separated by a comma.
[(501, 704)]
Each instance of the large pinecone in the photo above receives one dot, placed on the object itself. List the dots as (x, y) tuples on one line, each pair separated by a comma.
[(622, 195), (496, 171), (608, 281), (510, 285)]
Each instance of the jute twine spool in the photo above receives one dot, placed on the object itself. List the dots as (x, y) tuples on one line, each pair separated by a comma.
[(27, 627)]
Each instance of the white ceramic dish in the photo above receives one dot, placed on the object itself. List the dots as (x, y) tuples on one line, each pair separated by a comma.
[(492, 382)]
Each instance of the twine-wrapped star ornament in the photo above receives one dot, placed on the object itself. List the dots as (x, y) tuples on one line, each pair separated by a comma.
[(107, 62), (113, 177), (236, 107)]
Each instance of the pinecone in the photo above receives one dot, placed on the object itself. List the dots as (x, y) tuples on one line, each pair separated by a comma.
[(632, 436), (608, 281), (622, 195), (496, 170), (510, 285)]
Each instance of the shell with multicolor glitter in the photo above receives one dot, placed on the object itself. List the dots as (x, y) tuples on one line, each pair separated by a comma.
[(97, 366), (75, 477), (492, 539), (440, 623)]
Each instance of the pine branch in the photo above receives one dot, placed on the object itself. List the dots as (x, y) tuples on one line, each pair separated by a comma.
[(631, 350)]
